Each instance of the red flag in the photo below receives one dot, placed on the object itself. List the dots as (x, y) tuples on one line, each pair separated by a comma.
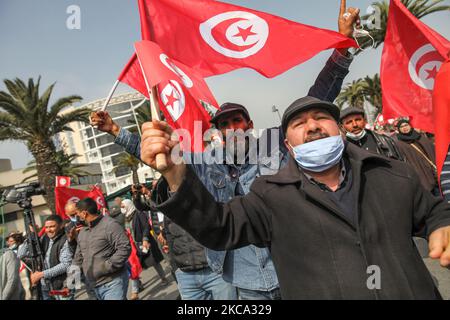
[(441, 106), (133, 259), (412, 56), (181, 92), (132, 75), (64, 195), (215, 37), (97, 194), (62, 181)]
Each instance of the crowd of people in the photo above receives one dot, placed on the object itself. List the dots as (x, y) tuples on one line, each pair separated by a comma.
[(89, 247), (340, 199)]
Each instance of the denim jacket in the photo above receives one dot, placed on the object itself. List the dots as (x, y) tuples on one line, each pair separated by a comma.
[(249, 267)]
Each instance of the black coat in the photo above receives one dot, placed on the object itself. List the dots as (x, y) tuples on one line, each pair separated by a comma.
[(141, 232), (317, 252)]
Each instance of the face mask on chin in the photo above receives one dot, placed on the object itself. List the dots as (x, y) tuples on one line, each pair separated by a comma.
[(74, 219), (356, 137), (319, 155)]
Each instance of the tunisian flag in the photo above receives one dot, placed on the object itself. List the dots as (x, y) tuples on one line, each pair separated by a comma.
[(181, 91), (64, 195), (62, 181), (412, 56), (215, 37)]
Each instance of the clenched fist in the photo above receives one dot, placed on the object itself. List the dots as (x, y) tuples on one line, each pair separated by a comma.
[(157, 139), (103, 122)]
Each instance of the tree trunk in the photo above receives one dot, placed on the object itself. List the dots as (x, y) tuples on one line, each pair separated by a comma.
[(47, 169)]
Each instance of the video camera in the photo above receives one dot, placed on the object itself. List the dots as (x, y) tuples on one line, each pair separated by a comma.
[(22, 193)]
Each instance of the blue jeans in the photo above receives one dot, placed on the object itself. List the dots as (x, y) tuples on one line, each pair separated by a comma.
[(204, 285), (245, 294), (116, 289)]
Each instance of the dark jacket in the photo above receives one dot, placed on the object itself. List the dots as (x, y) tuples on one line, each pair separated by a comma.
[(58, 243), (380, 144), (185, 251), (141, 232), (317, 252), (103, 250), (425, 170)]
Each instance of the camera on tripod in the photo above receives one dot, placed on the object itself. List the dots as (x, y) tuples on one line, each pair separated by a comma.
[(22, 192)]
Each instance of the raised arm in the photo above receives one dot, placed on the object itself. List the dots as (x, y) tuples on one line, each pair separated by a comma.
[(329, 82), (243, 221)]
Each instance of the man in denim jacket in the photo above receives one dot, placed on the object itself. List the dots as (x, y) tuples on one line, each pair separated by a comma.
[(249, 269)]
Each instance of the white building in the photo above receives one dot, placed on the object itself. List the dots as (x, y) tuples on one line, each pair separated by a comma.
[(94, 146)]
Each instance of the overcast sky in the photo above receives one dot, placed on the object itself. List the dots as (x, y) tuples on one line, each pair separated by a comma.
[(35, 41)]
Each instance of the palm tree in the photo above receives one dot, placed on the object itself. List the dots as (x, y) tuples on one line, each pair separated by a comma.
[(419, 8), (128, 161), (65, 164), (352, 95), (372, 91), (26, 116)]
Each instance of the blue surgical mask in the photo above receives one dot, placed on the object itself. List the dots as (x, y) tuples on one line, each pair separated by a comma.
[(319, 155), (74, 219), (356, 137)]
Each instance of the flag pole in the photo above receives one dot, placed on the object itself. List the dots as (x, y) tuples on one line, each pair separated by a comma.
[(161, 160), (108, 99)]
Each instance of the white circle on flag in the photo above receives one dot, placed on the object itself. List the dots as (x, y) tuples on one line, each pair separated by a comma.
[(174, 100), (249, 31), (100, 201), (172, 67), (422, 77), (73, 200), (62, 181)]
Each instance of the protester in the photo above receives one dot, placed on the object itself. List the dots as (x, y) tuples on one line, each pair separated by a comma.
[(250, 269), (72, 228), (195, 278), (10, 284), (420, 155), (147, 247), (354, 124), (14, 241), (58, 258), (332, 215), (73, 225), (102, 252), (117, 215)]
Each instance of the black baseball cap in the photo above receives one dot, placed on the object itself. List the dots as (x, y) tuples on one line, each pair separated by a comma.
[(351, 111), (305, 104), (229, 107)]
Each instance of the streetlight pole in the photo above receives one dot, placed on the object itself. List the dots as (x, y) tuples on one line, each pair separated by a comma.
[(275, 109)]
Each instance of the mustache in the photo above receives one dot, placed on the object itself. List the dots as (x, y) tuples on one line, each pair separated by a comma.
[(316, 136)]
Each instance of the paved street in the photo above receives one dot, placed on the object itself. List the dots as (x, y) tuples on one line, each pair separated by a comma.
[(153, 290)]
